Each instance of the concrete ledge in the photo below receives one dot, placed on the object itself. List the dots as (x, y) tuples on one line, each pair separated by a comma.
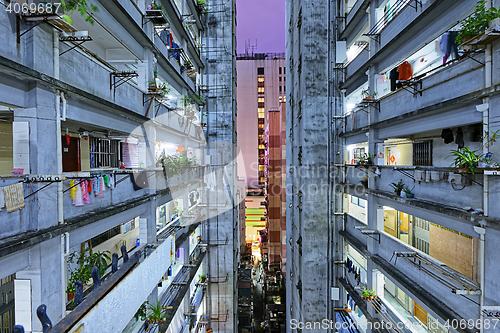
[(476, 220), (361, 303), (439, 107)]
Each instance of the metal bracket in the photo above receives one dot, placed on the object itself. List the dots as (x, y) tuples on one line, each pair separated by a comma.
[(123, 76), (374, 37), (375, 103), (31, 18), (155, 16), (414, 87), (404, 172), (417, 2), (74, 39)]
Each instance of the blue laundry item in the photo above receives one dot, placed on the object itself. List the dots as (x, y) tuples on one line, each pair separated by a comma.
[(176, 54)]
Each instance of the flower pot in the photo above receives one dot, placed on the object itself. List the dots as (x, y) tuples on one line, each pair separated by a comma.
[(71, 296), (398, 193), (410, 195)]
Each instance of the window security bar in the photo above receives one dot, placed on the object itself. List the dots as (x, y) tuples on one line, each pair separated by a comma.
[(458, 283), (389, 16), (388, 316)]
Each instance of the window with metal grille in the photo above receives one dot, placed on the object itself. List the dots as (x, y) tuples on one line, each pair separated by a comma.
[(103, 153), (260, 70), (422, 153)]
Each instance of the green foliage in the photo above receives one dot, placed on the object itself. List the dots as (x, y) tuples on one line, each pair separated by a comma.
[(156, 312), (80, 5), (407, 189), (477, 22), (399, 186), (156, 6), (185, 101), (202, 5), (174, 165), (84, 262), (465, 158)]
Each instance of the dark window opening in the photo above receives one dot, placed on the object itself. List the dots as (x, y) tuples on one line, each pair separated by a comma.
[(422, 153), (260, 70)]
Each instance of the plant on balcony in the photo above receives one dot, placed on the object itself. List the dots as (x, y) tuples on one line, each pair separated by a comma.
[(477, 22), (365, 93), (141, 312), (366, 158), (408, 191), (81, 6), (84, 262), (203, 278), (202, 5), (174, 165), (465, 159), (155, 6), (156, 313), (398, 187), (366, 293)]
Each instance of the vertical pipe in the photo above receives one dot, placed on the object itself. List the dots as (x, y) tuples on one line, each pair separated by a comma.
[(60, 217)]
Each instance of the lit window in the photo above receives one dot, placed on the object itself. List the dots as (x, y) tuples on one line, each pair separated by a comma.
[(261, 115), (260, 90), (261, 79), (262, 167), (260, 99), (260, 110), (262, 147)]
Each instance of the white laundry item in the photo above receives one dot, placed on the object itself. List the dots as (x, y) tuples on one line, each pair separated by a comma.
[(363, 276), (79, 196), (419, 175), (435, 176), (428, 176), (2, 200), (111, 181)]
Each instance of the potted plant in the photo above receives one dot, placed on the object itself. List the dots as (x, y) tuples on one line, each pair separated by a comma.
[(202, 5), (203, 278), (465, 159), (372, 294), (141, 312), (365, 93), (152, 83), (408, 191), (477, 23), (398, 187), (368, 158)]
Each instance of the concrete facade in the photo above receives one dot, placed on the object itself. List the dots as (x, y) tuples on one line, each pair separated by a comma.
[(102, 92)]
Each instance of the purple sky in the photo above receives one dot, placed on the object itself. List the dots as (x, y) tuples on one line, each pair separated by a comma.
[(263, 20)]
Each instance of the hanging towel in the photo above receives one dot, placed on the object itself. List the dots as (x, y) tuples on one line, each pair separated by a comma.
[(2, 201), (435, 176), (427, 176), (447, 135), (85, 193), (419, 175), (363, 276), (112, 181), (106, 180), (78, 201), (101, 187), (95, 184), (72, 192), (443, 43), (89, 186), (13, 197)]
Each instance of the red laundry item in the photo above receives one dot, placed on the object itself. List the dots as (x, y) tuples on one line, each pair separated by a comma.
[(122, 166), (67, 139), (89, 186), (405, 71)]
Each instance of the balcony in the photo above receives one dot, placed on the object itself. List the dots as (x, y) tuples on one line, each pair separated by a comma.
[(438, 89), (121, 295), (463, 191)]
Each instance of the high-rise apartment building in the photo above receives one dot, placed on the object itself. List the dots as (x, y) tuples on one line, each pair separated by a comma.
[(380, 94), (275, 191), (118, 134), (261, 87)]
